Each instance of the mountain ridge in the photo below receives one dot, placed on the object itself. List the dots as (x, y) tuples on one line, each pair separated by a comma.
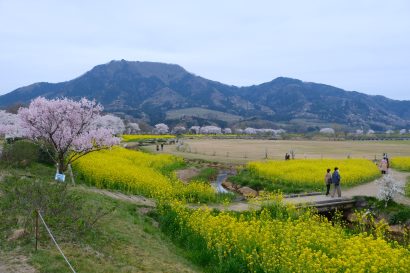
[(146, 91)]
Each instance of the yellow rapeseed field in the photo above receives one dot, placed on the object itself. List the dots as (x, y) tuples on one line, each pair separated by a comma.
[(139, 173), (400, 163), (136, 138), (311, 172), (306, 244), (284, 241)]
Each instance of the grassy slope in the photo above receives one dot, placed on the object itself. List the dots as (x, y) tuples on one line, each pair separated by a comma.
[(124, 241), (206, 175)]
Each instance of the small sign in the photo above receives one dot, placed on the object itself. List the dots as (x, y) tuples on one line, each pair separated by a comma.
[(60, 177)]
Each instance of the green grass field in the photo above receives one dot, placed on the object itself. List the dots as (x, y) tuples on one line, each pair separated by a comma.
[(125, 240)]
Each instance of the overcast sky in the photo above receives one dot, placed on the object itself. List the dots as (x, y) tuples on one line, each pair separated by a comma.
[(352, 44)]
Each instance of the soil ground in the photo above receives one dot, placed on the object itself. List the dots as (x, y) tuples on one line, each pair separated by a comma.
[(244, 150), (15, 263), (186, 174)]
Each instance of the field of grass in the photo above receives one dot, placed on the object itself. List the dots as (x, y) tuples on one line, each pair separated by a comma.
[(206, 175), (244, 150), (125, 240)]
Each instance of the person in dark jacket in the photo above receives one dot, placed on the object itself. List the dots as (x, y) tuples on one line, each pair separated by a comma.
[(336, 182), (328, 181)]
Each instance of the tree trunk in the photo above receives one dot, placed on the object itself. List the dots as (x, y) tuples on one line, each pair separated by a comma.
[(61, 164)]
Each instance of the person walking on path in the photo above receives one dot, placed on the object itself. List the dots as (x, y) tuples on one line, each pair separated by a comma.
[(383, 166), (336, 182), (328, 181), (387, 159), (162, 146)]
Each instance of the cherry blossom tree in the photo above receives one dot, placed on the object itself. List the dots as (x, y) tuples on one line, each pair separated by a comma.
[(388, 189), (327, 131), (179, 130), (250, 131), (9, 125), (65, 128), (110, 122), (210, 130), (279, 131), (227, 131), (132, 128), (194, 129), (161, 128)]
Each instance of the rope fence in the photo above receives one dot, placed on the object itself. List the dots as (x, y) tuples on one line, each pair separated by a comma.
[(54, 240)]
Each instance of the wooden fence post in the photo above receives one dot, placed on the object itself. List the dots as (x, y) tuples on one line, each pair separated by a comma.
[(36, 229), (71, 174)]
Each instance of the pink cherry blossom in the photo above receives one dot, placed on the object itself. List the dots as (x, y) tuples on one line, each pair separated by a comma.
[(66, 128)]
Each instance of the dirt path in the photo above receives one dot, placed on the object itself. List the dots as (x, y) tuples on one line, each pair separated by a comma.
[(15, 263), (372, 188), (135, 199), (369, 189)]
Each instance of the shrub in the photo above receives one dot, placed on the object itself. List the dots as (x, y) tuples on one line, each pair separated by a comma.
[(20, 153), (62, 209)]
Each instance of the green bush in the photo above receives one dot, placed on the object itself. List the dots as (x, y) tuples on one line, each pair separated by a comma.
[(62, 209), (401, 217), (20, 153), (44, 155)]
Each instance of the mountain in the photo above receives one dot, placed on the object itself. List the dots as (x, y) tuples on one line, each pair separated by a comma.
[(157, 92)]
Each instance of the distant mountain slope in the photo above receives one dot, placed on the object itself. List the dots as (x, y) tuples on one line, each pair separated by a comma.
[(148, 91)]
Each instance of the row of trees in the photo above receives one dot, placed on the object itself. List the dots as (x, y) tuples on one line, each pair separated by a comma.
[(162, 128), (331, 131)]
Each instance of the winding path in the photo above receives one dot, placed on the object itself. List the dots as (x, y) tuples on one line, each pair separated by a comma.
[(369, 189), (372, 188)]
